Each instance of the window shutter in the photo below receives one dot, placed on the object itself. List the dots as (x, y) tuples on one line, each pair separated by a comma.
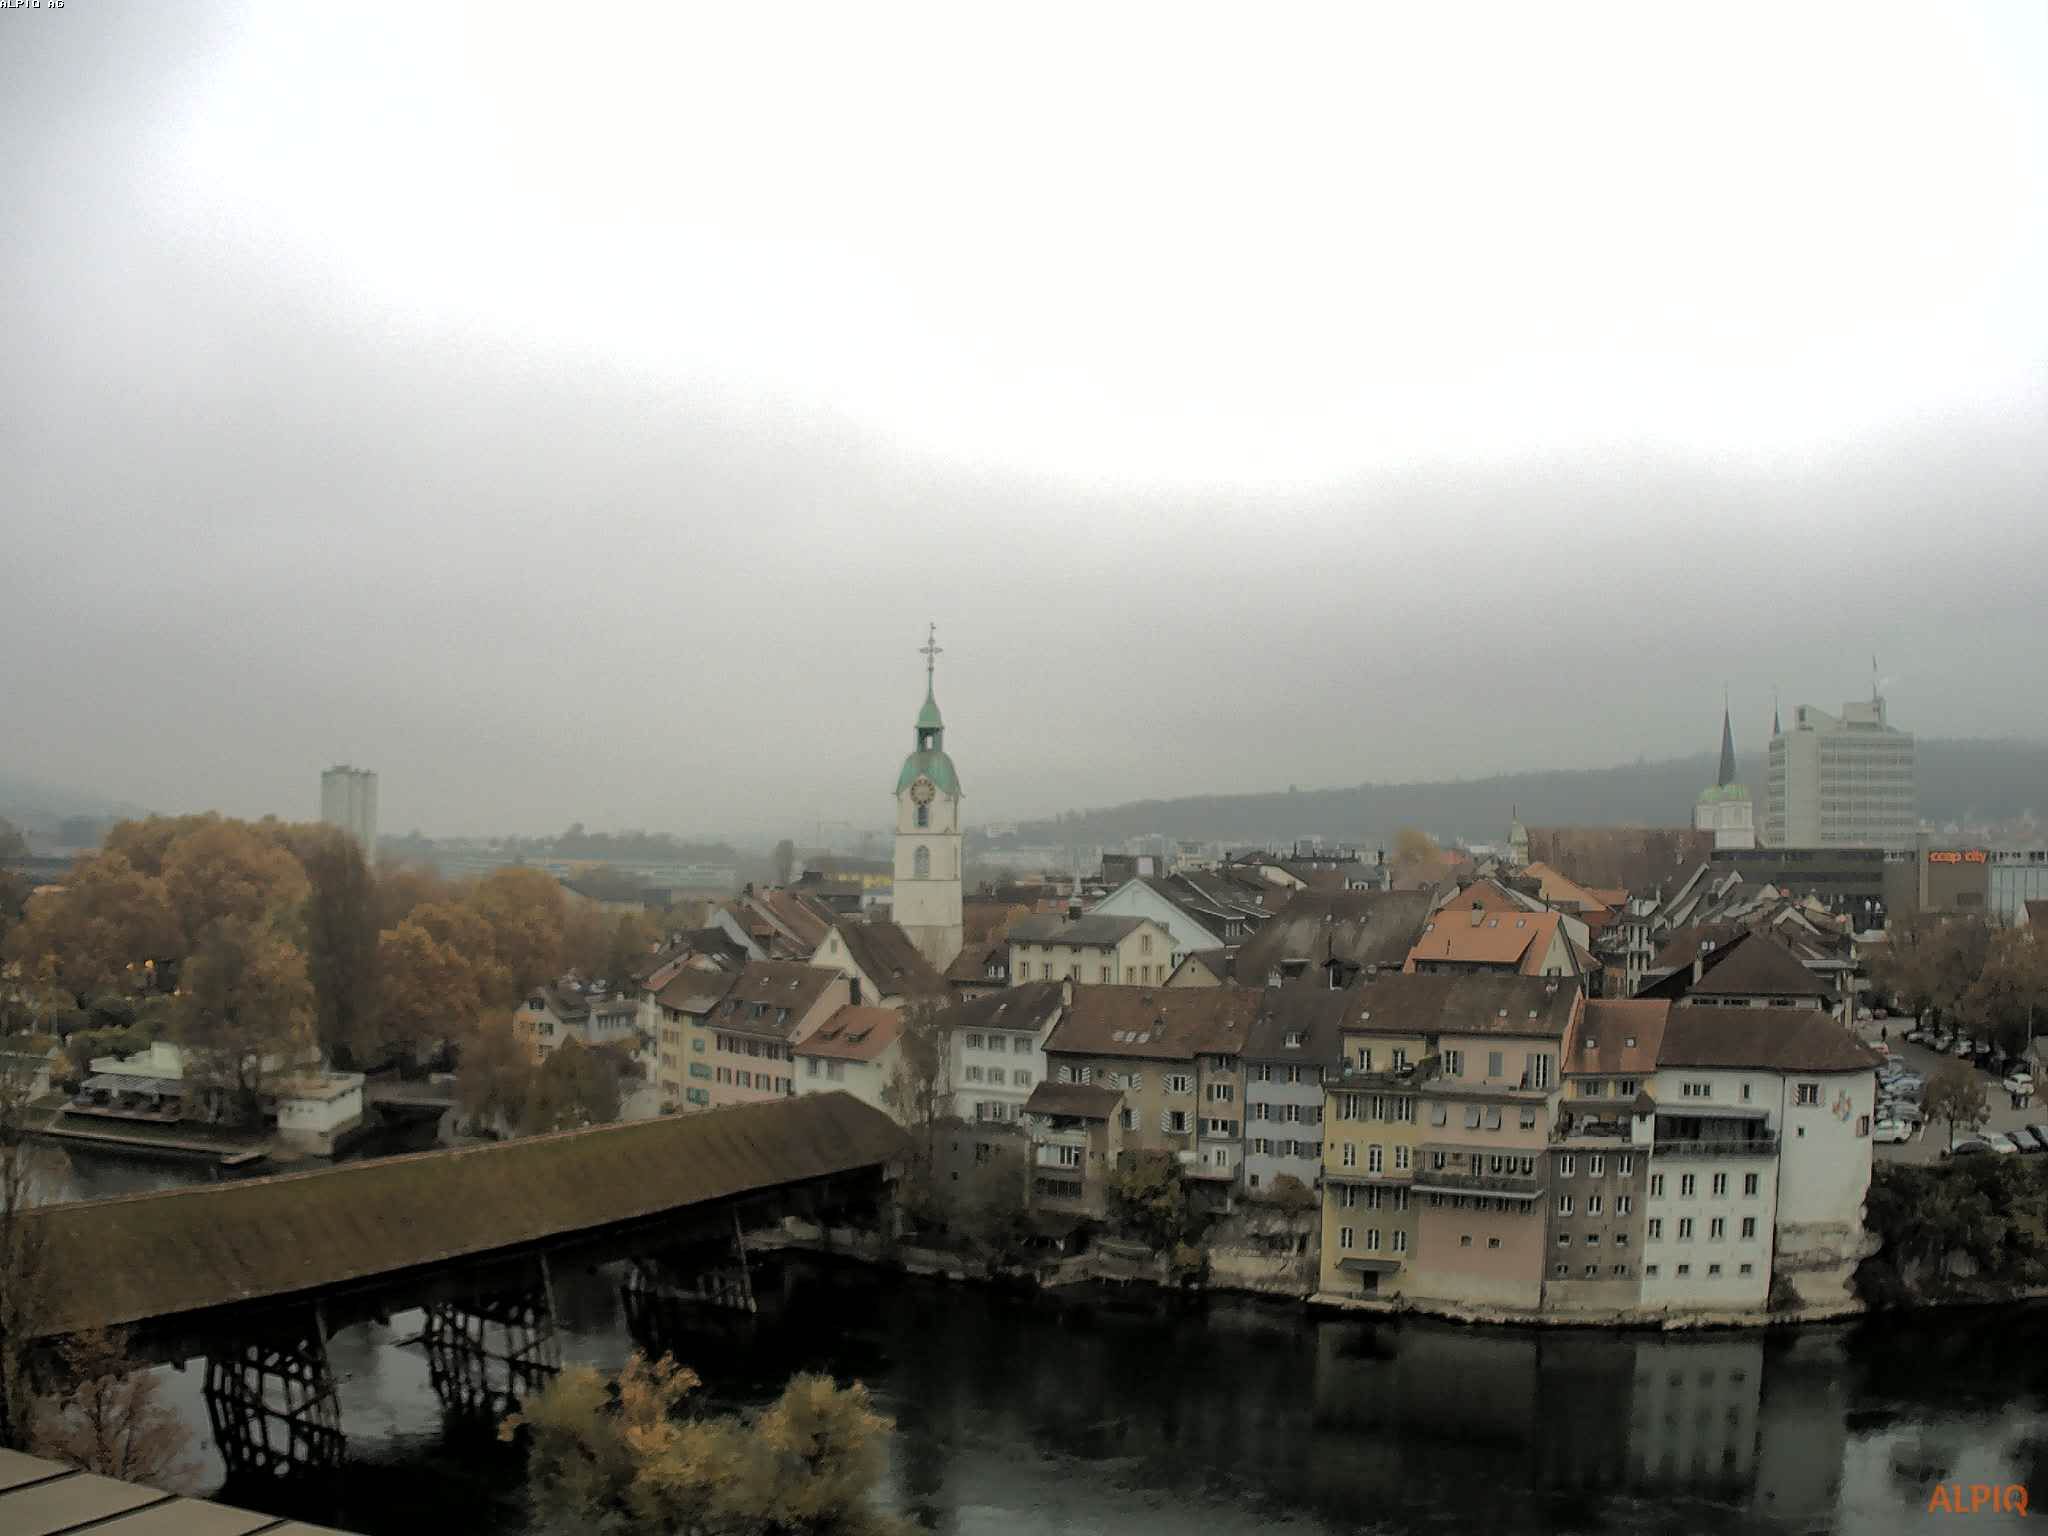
[(1165, 1120)]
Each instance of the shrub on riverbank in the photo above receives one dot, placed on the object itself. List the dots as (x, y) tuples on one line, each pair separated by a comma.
[(1974, 1226)]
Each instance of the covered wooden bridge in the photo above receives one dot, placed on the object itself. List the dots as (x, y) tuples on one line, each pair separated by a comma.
[(255, 1274)]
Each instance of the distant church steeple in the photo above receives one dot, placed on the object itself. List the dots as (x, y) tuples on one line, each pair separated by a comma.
[(1727, 776)]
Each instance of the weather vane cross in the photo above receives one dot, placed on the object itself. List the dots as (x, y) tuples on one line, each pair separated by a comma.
[(930, 651)]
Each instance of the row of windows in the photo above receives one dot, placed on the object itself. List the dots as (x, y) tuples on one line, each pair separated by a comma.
[(1266, 1148), (1292, 1114), (1176, 1082), (1351, 1195), (1713, 1270), (763, 1081), (995, 1076), (734, 1046), (833, 1071), (1688, 1183), (1375, 1157), (1597, 1087), (1564, 1239), (1265, 1072), (1717, 1229), (1019, 1045), (1347, 1239), (1396, 1108), (1623, 1205), (1596, 1165), (1592, 1272)]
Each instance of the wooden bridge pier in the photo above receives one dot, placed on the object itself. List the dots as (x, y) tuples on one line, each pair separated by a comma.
[(270, 1399), (493, 1348), (667, 1294)]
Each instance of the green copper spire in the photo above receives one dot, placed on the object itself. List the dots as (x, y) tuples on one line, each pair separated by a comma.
[(928, 757)]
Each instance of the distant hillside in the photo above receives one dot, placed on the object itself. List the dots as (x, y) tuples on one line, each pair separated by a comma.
[(1973, 782)]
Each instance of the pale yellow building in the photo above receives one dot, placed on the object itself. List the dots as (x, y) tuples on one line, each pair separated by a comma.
[(1096, 951)]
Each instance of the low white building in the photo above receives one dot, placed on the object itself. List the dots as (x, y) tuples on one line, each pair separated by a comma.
[(312, 1108), (315, 1110), (996, 1049)]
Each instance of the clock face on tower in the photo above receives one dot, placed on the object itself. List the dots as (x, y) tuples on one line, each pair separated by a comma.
[(922, 791)]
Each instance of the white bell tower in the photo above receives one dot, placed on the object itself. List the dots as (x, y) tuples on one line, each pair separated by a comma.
[(926, 902)]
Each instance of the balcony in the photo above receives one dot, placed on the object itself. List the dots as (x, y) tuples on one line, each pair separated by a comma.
[(1056, 1157), (1765, 1145), (1361, 1176), (1447, 1181), (1402, 1080)]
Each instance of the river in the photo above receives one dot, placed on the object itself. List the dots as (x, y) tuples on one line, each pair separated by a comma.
[(1111, 1411)]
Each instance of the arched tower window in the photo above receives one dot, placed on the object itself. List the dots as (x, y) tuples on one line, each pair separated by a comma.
[(921, 861), (924, 815)]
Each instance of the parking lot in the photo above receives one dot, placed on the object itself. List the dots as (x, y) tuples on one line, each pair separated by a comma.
[(1932, 1140)]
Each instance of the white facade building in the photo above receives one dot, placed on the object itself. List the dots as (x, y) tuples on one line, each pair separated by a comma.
[(1844, 781), (997, 1050), (348, 799)]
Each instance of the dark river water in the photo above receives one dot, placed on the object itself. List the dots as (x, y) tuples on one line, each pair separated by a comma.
[(1122, 1411)]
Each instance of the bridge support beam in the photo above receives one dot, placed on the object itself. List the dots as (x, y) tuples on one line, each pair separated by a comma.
[(270, 1399), (665, 1294), (486, 1353)]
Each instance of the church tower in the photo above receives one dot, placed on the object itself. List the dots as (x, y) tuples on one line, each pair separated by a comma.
[(926, 903), (1725, 810)]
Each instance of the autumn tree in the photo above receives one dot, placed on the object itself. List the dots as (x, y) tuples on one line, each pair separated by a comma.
[(398, 890), (231, 871), (146, 843), (100, 932), (2012, 986), (577, 1085), (1929, 964), (493, 1076), (631, 1458), (526, 913), (341, 930), (1956, 1094), (465, 931), (586, 940), (631, 940), (426, 993), (24, 1278), (112, 1420), (919, 1091), (245, 1011)]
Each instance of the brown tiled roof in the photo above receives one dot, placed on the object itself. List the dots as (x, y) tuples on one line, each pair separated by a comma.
[(854, 1034), (132, 1257), (1755, 964), (888, 958), (1682, 945), (1473, 1004), (1775, 1038), (1634, 859), (773, 985), (690, 990), (971, 964), (1215, 961), (1314, 1012), (1358, 928), (1156, 1023), (1609, 1025), (1097, 931), (1031, 1006), (1496, 938), (1082, 1101)]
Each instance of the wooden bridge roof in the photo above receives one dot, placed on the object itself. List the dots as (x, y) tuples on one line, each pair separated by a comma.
[(137, 1257)]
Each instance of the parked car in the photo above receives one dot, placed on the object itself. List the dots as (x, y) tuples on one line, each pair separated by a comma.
[(1902, 1109), (2000, 1142), (2026, 1140), (1971, 1145), (1918, 1036), (1963, 1048), (1891, 1130), (2019, 1082)]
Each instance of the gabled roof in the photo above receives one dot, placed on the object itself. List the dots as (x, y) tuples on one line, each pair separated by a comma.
[(972, 963), (1477, 1003), (1617, 1037), (1093, 931), (1560, 890), (1155, 1023), (1756, 964), (854, 1034), (1772, 1038), (884, 953), (795, 919), (1031, 1006), (1217, 962), (1079, 1101), (1313, 1016), (772, 997), (1520, 939), (567, 1005), (691, 990), (1355, 928), (1634, 859)]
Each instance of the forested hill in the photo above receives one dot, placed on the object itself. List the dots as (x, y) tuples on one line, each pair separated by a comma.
[(1962, 781)]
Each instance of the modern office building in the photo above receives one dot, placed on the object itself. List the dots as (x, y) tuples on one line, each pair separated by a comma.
[(1842, 781), (348, 799)]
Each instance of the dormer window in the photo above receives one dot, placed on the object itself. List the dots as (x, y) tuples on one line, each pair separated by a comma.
[(1294, 1038)]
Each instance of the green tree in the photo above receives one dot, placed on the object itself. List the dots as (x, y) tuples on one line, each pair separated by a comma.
[(1956, 1095), (1148, 1200), (919, 1093), (245, 1013), (632, 1459), (493, 1076), (340, 931), (577, 1085)]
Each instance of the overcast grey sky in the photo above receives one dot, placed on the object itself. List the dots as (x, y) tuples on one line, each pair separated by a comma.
[(577, 414)]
